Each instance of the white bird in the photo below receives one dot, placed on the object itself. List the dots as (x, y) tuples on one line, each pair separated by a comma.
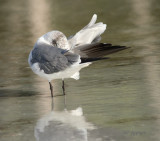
[(55, 56)]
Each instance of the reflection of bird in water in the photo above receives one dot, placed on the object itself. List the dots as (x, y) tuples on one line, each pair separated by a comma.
[(63, 126), (56, 57)]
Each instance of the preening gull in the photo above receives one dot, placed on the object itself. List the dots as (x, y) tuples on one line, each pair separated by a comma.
[(55, 56)]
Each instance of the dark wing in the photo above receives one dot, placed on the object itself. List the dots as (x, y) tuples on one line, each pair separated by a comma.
[(96, 51), (52, 59)]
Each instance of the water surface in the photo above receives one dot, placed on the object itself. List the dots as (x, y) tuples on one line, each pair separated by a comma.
[(119, 97)]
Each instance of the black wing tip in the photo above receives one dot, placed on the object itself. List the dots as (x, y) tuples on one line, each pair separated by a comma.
[(98, 50), (111, 45), (85, 60)]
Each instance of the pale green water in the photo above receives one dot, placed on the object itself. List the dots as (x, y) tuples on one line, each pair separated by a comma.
[(119, 96)]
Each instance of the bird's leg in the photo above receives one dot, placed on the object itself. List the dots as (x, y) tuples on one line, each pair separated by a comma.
[(51, 88), (52, 104), (63, 87)]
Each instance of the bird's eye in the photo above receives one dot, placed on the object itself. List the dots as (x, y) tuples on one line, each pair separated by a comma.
[(54, 42)]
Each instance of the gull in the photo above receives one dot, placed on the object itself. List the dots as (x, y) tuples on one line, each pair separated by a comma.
[(55, 56)]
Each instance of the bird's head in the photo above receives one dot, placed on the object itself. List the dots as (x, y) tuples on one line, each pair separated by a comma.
[(54, 38)]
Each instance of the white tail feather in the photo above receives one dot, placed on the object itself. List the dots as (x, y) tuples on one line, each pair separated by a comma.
[(88, 34), (92, 22)]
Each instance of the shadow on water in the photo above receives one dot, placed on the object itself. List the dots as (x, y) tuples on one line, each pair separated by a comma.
[(17, 93)]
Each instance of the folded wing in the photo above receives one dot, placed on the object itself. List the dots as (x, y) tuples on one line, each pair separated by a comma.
[(51, 59)]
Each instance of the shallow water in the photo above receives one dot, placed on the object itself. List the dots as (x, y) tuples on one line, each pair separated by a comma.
[(119, 97)]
